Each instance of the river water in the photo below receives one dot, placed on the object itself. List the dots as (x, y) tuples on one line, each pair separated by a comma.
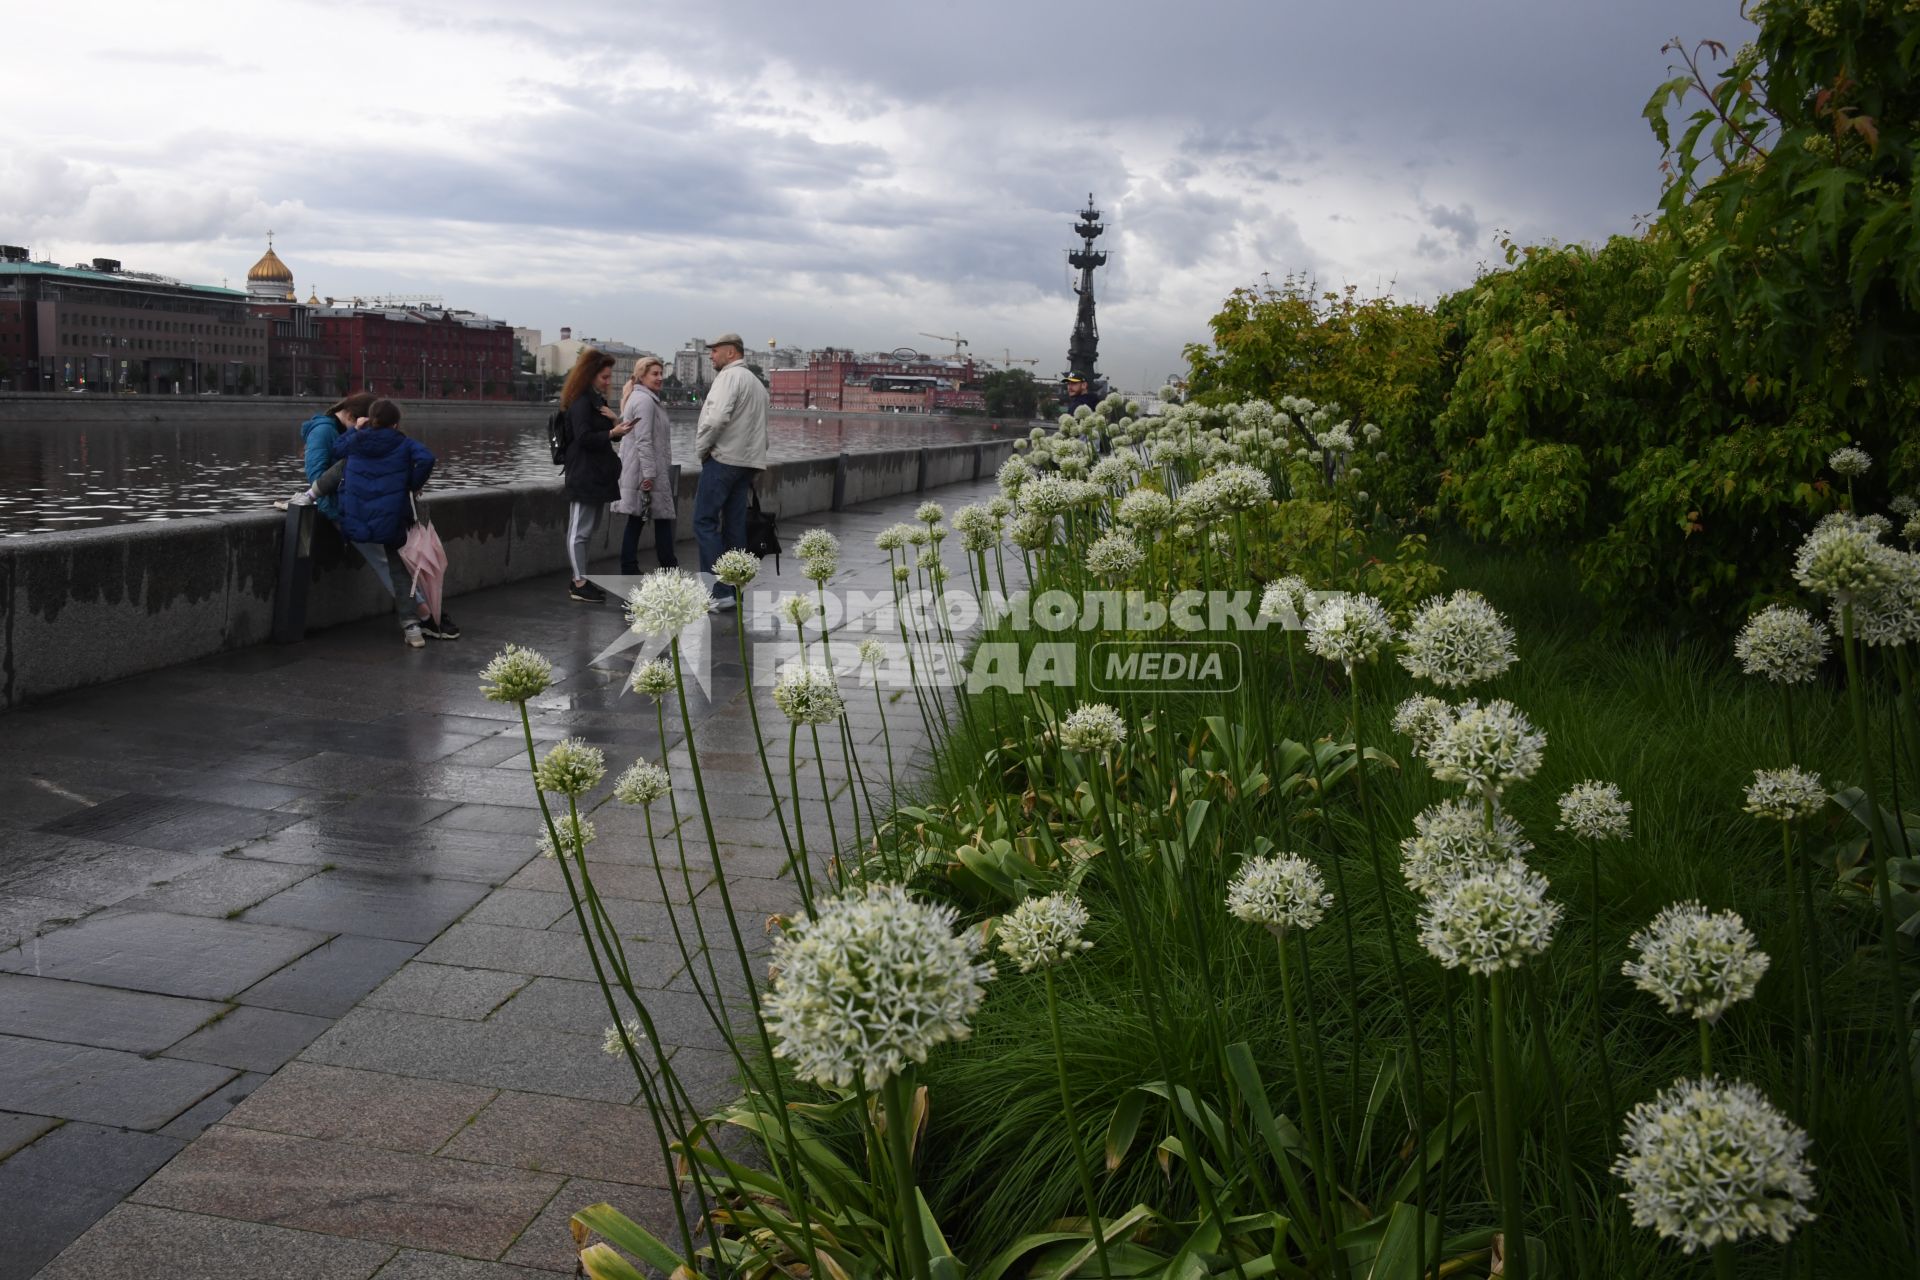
[(71, 476)]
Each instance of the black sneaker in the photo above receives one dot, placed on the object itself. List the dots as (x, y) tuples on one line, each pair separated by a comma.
[(586, 593), (440, 628)]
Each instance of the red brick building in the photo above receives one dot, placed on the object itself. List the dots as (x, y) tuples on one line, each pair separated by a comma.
[(418, 352), (838, 381)]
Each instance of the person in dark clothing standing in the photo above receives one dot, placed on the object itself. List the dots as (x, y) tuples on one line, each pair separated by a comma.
[(592, 465), (384, 469)]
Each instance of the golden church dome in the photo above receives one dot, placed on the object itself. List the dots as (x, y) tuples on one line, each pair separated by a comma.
[(270, 268)]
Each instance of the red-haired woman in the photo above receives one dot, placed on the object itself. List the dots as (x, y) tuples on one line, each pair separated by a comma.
[(592, 466)]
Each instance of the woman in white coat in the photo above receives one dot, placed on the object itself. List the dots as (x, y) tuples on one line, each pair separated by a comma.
[(646, 468)]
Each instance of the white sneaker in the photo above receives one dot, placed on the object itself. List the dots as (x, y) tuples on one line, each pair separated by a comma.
[(723, 604), (304, 498), (416, 639)]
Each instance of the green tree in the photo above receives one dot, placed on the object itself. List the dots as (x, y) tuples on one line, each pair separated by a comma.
[(1011, 393)]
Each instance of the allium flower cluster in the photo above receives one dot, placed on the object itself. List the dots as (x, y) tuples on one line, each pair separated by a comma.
[(1911, 530), (1850, 462), (1844, 560), (1094, 727), (570, 768), (1237, 487), (1890, 616), (642, 783), (1145, 509), (798, 610), (1486, 748), (1349, 629), (611, 1043), (1457, 641), (575, 835), (1044, 931), (929, 513), (737, 568), (819, 553), (655, 679), (871, 984), (873, 651), (1286, 599), (894, 536), (515, 675), (1712, 1162), (1115, 555), (1420, 719), (1280, 892), (1453, 838), (808, 695), (1031, 530), (1785, 794), (1014, 472), (1783, 644), (978, 527), (1695, 961), (1049, 494), (667, 602), (1489, 919), (1596, 811)]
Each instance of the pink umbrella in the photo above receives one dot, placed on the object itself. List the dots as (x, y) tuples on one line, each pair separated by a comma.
[(426, 560)]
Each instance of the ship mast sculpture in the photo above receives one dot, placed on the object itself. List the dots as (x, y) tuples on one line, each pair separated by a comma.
[(1083, 348)]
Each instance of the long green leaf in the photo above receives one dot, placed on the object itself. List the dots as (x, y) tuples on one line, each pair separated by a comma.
[(1123, 1125), (629, 1235)]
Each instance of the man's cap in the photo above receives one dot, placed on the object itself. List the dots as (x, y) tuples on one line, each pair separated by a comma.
[(1074, 377), (728, 340)]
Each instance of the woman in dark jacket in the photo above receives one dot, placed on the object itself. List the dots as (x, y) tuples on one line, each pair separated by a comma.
[(592, 466), (384, 470)]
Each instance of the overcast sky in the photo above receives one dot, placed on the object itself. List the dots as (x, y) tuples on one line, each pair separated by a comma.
[(834, 173)]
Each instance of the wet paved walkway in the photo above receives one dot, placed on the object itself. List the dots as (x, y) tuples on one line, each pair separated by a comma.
[(284, 989)]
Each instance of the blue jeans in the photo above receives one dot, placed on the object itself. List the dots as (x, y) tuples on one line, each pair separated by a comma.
[(720, 513), (662, 544)]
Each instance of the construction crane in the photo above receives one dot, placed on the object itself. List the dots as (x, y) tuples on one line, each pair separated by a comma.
[(959, 343), (1009, 359)]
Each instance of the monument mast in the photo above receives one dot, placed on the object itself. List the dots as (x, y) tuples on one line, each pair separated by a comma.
[(1083, 349)]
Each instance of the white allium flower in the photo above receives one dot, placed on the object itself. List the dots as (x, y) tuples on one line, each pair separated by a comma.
[(1048, 494), (655, 678), (1785, 794), (819, 568), (797, 609), (737, 568), (1285, 598), (974, 517), (1094, 727), (999, 508), (1031, 530), (817, 544), (611, 1042), (894, 536), (1419, 718), (515, 675), (1876, 524), (902, 572), (642, 783), (808, 695), (667, 602), (1695, 961), (1457, 641), (1280, 892), (1115, 469), (1044, 931), (873, 652), (1844, 560), (1145, 509), (871, 984), (1237, 487), (1891, 616), (1596, 811), (570, 768), (575, 835), (1452, 838), (929, 513), (1785, 645), (1850, 462), (1372, 432), (1014, 472), (917, 537), (1485, 748), (1489, 919), (1712, 1162), (1115, 555), (1903, 505), (1349, 629)]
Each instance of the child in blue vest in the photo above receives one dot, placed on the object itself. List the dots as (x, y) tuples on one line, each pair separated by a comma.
[(384, 470)]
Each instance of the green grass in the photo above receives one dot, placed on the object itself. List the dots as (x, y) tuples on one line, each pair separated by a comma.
[(1668, 718)]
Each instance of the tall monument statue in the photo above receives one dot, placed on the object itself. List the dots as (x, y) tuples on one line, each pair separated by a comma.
[(1083, 349)]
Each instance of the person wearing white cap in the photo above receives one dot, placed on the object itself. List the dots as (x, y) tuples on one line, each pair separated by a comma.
[(731, 443)]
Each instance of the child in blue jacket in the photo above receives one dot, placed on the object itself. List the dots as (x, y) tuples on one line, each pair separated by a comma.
[(384, 470)]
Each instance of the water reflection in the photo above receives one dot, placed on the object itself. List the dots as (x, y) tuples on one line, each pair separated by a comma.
[(55, 477)]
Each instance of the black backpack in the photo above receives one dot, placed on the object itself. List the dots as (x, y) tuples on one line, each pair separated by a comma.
[(762, 538), (559, 436)]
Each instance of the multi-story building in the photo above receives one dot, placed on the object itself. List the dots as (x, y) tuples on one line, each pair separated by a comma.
[(835, 380), (417, 352), (690, 366), (558, 357), (98, 327)]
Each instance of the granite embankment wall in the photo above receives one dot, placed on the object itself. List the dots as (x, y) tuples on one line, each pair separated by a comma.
[(94, 605), (93, 410)]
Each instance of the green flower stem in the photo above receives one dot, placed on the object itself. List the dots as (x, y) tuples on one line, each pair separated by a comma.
[(899, 1106), (826, 802), (686, 878), (1351, 988), (1326, 1191), (1513, 1217), (759, 739), (1889, 923), (1331, 1193), (1593, 977), (1724, 1267), (1447, 1005), (1810, 931), (886, 736), (1577, 1212), (1087, 1188), (801, 861)]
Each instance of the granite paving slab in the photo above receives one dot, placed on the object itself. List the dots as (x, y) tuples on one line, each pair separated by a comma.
[(479, 1053), (447, 1205), (610, 879), (501, 819), (404, 907), (139, 1240), (330, 979), (56, 1188), (412, 1264), (103, 1086), (220, 887), (251, 1039), (107, 1017), (174, 823), (431, 850), (17, 1130), (213, 1108), (564, 1135), (77, 869), (547, 1244), (542, 952), (680, 1017), (158, 951), (364, 1108), (522, 909), (446, 991)]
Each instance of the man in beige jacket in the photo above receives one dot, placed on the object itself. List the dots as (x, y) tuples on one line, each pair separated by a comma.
[(731, 443)]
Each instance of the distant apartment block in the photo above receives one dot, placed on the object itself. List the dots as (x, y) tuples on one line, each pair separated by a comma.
[(839, 381)]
